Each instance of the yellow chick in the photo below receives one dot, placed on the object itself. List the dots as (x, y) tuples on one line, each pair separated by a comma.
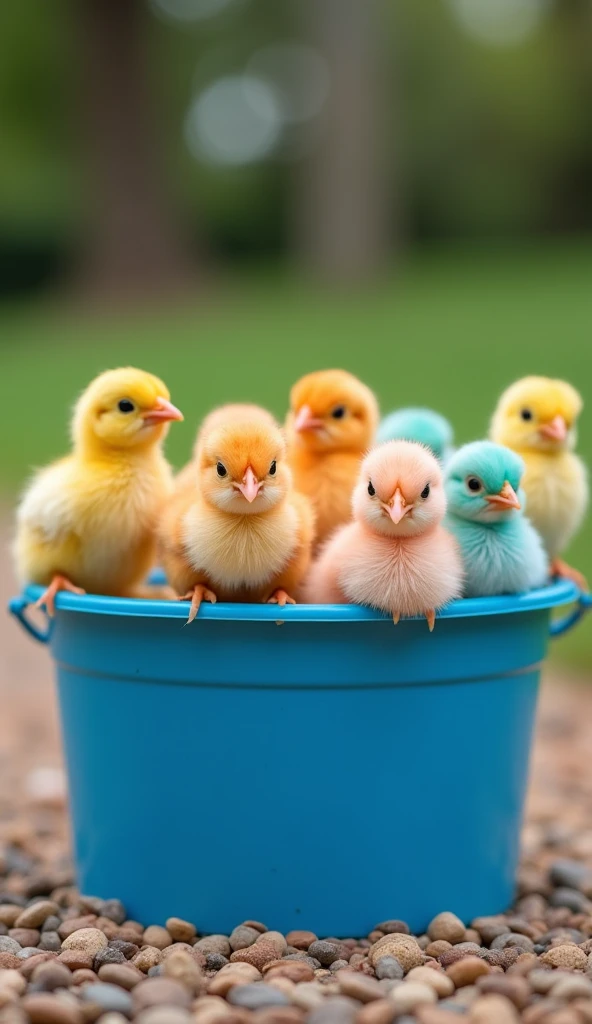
[(537, 417), (235, 529), (331, 423), (87, 522)]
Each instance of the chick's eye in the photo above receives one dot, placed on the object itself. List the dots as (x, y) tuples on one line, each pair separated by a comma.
[(426, 492), (125, 405), (338, 412), (220, 469), (272, 468), (474, 484), (371, 490), (526, 414)]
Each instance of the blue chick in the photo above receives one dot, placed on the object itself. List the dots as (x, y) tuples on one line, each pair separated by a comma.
[(421, 425), (502, 552)]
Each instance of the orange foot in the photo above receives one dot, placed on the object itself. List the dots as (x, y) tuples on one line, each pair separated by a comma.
[(431, 617), (196, 596), (396, 618), (48, 596), (561, 568), (280, 597)]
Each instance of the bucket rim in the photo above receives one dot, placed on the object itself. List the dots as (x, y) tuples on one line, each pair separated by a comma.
[(553, 595)]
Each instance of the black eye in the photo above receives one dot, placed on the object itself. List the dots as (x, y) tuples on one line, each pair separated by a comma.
[(474, 484), (338, 412), (124, 405), (272, 468), (526, 414), (426, 492), (220, 469), (371, 490)]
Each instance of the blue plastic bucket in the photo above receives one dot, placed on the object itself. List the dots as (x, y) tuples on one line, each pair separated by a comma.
[(327, 774)]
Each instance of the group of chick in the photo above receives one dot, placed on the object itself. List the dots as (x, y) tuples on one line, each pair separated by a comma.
[(309, 512)]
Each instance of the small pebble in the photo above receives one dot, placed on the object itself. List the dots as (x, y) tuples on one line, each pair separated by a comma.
[(334, 1010), (231, 975), (110, 998), (50, 941), (389, 967), (493, 1009), (148, 957), (86, 940), (163, 1015), (8, 945), (25, 936), (108, 955), (242, 937), (182, 967), (410, 995), (214, 961), (566, 956), (51, 975), (573, 899), (49, 1009), (124, 975), (442, 984), (467, 970), (214, 944), (359, 987), (446, 926), (259, 954), (325, 952), (403, 948), (155, 991), (180, 930), (157, 937), (301, 939), (438, 947), (380, 1012), (34, 915), (571, 874)]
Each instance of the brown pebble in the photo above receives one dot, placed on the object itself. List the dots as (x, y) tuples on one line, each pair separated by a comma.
[(29, 965), (403, 947), (180, 930), (275, 939), (295, 970), (493, 1009), (358, 986), (36, 914), (466, 971), (441, 983), (25, 936), (46, 1009), (148, 957), (568, 956), (435, 1015), (574, 987), (9, 914), (125, 975), (259, 954), (75, 924), (162, 1015), (301, 940), (257, 925), (277, 1015), (411, 994), (156, 991), (446, 926), (87, 940), (183, 968), (8, 961), (233, 974), (516, 989), (83, 975), (438, 947), (156, 936), (75, 959), (381, 1011)]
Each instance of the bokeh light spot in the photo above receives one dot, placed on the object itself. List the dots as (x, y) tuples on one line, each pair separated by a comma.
[(236, 120), (499, 22)]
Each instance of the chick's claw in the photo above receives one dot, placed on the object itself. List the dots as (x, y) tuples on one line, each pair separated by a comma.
[(567, 572), (198, 594), (431, 617), (48, 596), (280, 597), (396, 618)]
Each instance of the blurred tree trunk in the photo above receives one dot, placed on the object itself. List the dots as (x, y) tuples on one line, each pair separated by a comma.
[(134, 244), (341, 209)]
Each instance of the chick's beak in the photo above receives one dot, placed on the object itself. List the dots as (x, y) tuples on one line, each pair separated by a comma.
[(305, 420), (556, 430), (250, 486), (162, 411), (506, 499), (397, 507)]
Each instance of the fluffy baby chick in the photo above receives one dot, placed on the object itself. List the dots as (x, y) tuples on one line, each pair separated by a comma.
[(240, 532), (537, 417), (331, 423), (502, 552), (87, 522), (222, 416), (422, 425), (395, 556)]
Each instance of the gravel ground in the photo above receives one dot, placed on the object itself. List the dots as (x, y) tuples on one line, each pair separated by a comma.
[(67, 959)]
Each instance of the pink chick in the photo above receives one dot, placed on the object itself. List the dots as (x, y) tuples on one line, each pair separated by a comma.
[(395, 556)]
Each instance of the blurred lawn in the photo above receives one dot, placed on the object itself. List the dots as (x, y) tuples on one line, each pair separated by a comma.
[(450, 331)]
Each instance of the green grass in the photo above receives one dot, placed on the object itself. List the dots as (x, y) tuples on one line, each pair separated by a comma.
[(450, 331)]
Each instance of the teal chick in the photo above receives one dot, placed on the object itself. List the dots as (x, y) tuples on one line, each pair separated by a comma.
[(421, 425), (501, 550)]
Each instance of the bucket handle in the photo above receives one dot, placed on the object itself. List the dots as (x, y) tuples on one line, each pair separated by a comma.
[(17, 606), (568, 621)]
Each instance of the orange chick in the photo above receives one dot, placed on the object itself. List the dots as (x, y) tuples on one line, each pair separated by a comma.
[(395, 556), (222, 416), (331, 423), (239, 532), (88, 521)]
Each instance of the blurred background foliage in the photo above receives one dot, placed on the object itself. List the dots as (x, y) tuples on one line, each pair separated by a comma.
[(233, 192)]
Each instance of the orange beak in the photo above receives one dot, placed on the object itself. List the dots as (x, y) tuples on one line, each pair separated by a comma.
[(397, 507), (162, 412), (556, 430), (306, 421), (505, 500), (250, 486)]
